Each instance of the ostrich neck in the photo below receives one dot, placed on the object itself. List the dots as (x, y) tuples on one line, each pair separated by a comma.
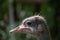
[(43, 36)]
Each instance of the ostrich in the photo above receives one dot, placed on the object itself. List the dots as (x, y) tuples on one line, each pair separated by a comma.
[(36, 26)]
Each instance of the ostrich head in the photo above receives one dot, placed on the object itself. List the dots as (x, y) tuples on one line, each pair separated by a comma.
[(35, 25)]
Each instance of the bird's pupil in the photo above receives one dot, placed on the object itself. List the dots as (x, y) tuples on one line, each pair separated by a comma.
[(29, 23)]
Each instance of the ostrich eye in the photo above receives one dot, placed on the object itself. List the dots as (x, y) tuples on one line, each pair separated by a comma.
[(29, 23)]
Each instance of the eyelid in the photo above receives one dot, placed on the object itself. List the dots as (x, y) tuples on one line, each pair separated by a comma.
[(28, 21), (25, 23)]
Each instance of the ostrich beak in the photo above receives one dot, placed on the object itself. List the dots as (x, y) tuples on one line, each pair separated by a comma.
[(21, 29)]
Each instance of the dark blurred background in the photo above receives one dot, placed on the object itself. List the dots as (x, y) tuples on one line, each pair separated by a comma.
[(12, 12)]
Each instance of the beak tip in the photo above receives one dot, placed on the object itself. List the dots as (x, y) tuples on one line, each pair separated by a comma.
[(11, 31)]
